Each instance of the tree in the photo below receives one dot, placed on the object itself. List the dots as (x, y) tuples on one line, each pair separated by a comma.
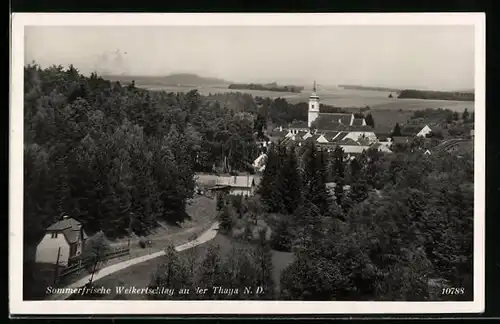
[(173, 274), (94, 253), (289, 184), (226, 219), (211, 272), (370, 121), (355, 168), (396, 131), (268, 185), (264, 265), (281, 236), (465, 115), (220, 202)]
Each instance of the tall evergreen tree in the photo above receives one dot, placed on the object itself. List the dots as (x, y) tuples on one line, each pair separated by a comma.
[(396, 131), (369, 120), (268, 185), (465, 115), (289, 183), (264, 266)]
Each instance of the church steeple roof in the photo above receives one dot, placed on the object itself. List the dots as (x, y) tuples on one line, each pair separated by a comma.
[(313, 94)]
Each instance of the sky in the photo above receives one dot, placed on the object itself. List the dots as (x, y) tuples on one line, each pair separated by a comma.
[(423, 57)]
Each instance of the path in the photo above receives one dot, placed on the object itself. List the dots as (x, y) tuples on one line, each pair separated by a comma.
[(203, 238)]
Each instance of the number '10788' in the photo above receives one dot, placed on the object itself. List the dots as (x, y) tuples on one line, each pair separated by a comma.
[(453, 291)]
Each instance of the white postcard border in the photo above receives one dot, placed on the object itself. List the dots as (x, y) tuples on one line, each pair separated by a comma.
[(20, 307)]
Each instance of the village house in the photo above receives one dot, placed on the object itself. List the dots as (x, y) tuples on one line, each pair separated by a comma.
[(369, 136), (62, 242), (426, 130), (259, 164), (234, 185), (297, 127)]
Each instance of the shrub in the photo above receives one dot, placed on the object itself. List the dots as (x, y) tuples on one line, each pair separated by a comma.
[(142, 243)]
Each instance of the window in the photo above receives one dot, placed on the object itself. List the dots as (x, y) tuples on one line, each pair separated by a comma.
[(54, 235)]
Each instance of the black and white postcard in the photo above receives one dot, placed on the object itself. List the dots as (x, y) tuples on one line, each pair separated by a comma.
[(247, 164)]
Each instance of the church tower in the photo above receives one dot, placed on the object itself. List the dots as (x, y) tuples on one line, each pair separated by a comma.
[(313, 112)]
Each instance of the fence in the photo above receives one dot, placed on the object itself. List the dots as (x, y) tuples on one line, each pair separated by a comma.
[(80, 265)]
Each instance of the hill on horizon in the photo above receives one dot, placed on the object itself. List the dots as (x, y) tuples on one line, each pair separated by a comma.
[(174, 79)]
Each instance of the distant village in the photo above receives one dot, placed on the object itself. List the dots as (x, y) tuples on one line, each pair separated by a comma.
[(346, 130)]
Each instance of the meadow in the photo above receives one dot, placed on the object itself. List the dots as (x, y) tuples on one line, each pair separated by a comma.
[(140, 275), (376, 100)]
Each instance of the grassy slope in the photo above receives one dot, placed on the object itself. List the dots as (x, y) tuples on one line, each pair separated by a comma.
[(139, 275)]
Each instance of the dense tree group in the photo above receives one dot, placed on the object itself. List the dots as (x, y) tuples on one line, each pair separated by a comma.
[(397, 220), (104, 153)]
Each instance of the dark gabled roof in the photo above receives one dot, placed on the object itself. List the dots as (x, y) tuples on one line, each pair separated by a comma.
[(300, 135), (70, 229), (327, 125), (410, 129), (330, 135), (64, 224), (278, 134), (344, 119), (298, 125), (348, 141), (358, 122), (400, 139), (340, 136), (315, 137)]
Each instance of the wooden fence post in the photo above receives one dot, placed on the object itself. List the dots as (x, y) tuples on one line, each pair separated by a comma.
[(56, 273)]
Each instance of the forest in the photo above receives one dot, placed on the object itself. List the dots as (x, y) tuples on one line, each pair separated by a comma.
[(108, 154), (101, 152), (266, 87), (389, 226), (436, 95)]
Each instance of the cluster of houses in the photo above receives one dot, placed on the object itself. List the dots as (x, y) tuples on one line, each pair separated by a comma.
[(353, 141), (329, 130)]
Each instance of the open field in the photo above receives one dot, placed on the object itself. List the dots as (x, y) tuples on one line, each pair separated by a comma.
[(140, 275), (386, 119), (376, 100)]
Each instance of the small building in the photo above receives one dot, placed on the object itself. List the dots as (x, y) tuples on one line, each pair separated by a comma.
[(259, 163), (370, 136), (237, 185), (297, 127), (381, 147), (424, 131), (62, 242)]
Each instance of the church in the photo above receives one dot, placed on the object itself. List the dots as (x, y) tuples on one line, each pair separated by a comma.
[(327, 122)]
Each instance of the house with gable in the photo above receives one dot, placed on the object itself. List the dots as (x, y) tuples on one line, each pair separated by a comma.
[(424, 131), (63, 242), (244, 185)]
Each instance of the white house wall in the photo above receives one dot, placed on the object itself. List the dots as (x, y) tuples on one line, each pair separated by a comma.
[(46, 251), (426, 130), (356, 135), (240, 191)]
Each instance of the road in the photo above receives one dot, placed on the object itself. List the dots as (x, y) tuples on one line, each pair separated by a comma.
[(206, 236)]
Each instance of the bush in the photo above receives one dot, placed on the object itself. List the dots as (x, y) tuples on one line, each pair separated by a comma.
[(142, 243)]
